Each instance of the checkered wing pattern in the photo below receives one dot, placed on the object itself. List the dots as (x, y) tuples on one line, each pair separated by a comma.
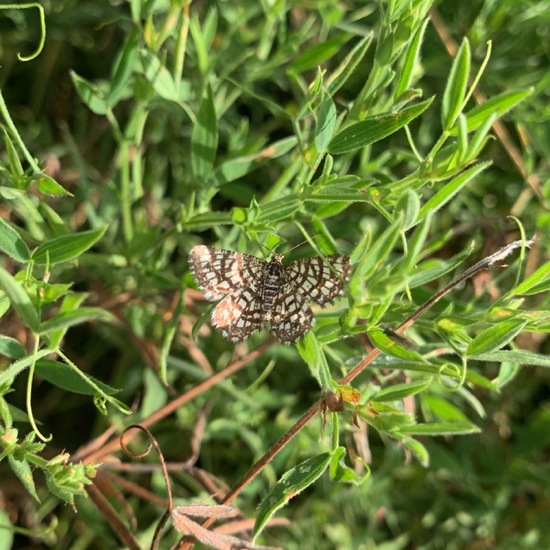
[(238, 315), (221, 272), (292, 317), (321, 280)]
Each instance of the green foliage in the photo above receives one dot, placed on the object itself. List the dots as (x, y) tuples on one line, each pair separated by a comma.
[(339, 127)]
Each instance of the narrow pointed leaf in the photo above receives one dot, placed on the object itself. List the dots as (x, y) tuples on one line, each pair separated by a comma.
[(123, 70), (67, 247), (236, 168), (335, 81), (317, 54), (159, 76), (92, 95), (526, 358), (441, 428), (291, 483), (455, 91), (392, 347), (11, 242), (10, 347), (449, 190), (411, 57), (375, 128), (65, 377), (23, 471), (400, 391), (326, 121), (204, 140), (535, 283), (68, 319), (49, 186), (19, 300), (495, 337), (497, 106)]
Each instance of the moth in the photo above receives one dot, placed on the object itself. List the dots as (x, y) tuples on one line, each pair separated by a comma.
[(258, 293)]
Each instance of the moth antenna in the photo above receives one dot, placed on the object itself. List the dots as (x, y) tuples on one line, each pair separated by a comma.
[(272, 250)]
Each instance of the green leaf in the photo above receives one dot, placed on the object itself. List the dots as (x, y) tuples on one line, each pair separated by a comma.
[(238, 167), (68, 319), (326, 122), (67, 247), (441, 429), (19, 300), (455, 91), (291, 484), (204, 140), (10, 347), (411, 57), (416, 245), (448, 191), (385, 418), (124, 68), (6, 541), (49, 186), (18, 366), (407, 207), (11, 242), (319, 53), (52, 292), (400, 391), (10, 193), (337, 79), (366, 260), (314, 356), (495, 106), (14, 166), (310, 351), (522, 357), (340, 472), (416, 448), (65, 377), (201, 47), (495, 337), (158, 76), (201, 222), (392, 347), (91, 95), (204, 317), (506, 374), (71, 302), (444, 410), (535, 283), (434, 269), (375, 128), (337, 193), (23, 471), (478, 140), (279, 209)]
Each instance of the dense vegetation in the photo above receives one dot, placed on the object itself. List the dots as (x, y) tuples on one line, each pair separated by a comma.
[(411, 135)]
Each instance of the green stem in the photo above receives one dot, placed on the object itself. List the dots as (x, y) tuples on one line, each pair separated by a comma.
[(29, 392), (15, 134)]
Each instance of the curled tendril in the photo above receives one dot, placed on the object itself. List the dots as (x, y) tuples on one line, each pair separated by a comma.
[(460, 375), (152, 443), (42, 27)]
